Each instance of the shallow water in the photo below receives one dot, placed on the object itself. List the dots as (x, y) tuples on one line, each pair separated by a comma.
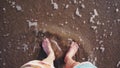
[(93, 24)]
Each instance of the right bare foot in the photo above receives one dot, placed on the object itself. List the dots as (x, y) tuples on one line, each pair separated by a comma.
[(72, 51)]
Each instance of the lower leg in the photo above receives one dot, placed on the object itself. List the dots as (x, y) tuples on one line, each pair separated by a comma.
[(70, 63), (49, 51), (51, 57), (49, 60)]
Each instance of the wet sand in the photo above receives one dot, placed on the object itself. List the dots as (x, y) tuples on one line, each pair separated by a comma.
[(93, 24)]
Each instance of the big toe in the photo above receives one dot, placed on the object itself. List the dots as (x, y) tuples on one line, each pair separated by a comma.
[(74, 45)]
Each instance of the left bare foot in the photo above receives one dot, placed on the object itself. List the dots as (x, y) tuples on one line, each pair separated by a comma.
[(47, 47)]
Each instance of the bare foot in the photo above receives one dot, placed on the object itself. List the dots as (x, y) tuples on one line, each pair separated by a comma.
[(70, 63), (72, 51), (47, 47)]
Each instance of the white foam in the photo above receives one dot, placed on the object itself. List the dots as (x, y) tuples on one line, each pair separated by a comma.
[(118, 64), (108, 7), (96, 48), (4, 9), (80, 2), (51, 14), (32, 23), (117, 10), (61, 24), (102, 48), (4, 50), (118, 20), (66, 22), (25, 47), (105, 30), (91, 19), (18, 7), (6, 35), (98, 23), (52, 2), (55, 5), (101, 41), (94, 61), (67, 6), (94, 27), (103, 24), (82, 5), (84, 22), (77, 13), (111, 33), (95, 12), (77, 28), (4, 63), (13, 3), (75, 1), (93, 16), (83, 58)]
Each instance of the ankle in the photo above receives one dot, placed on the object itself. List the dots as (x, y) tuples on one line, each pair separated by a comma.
[(69, 62), (52, 56), (67, 59)]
